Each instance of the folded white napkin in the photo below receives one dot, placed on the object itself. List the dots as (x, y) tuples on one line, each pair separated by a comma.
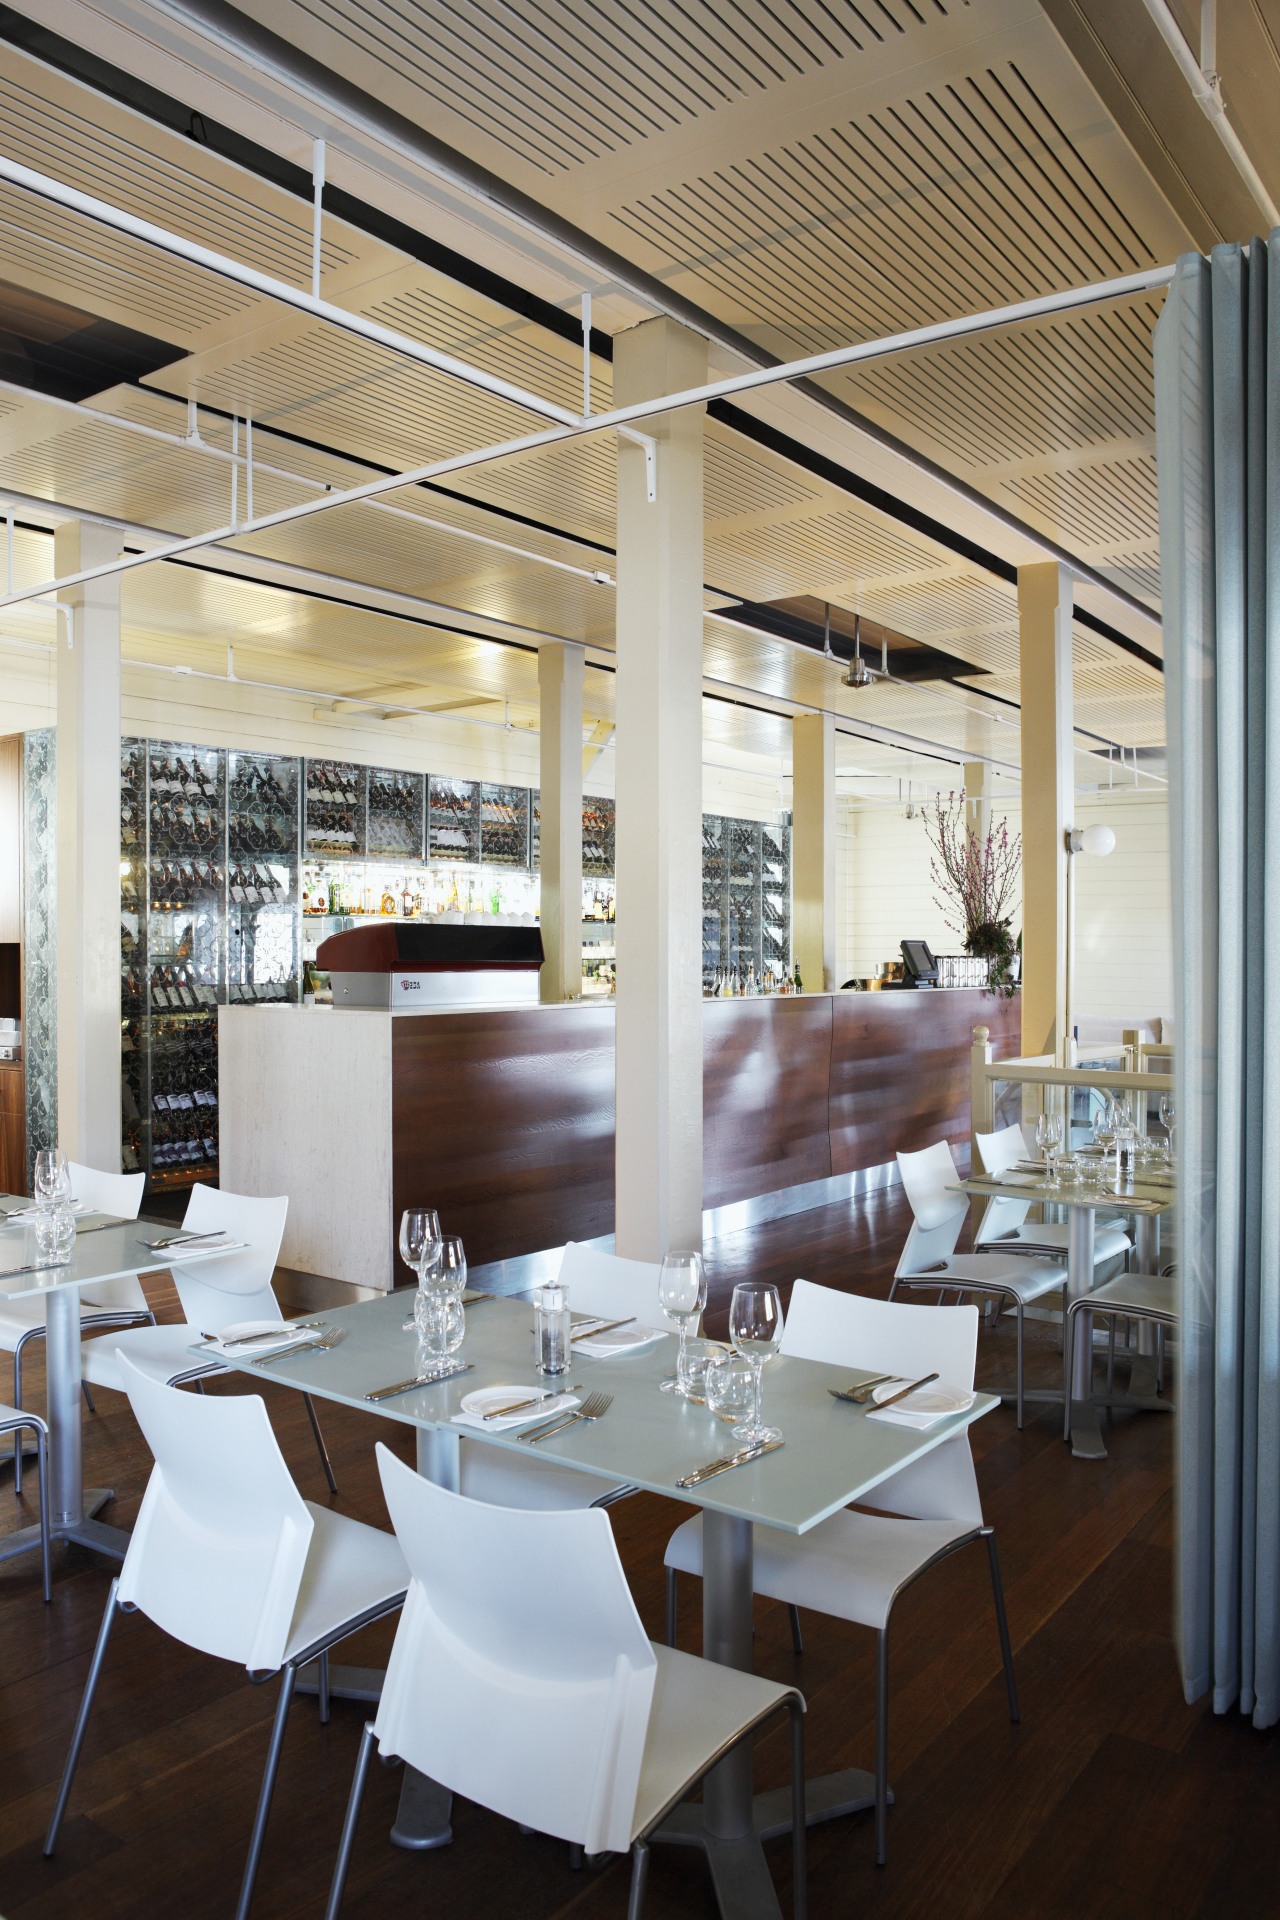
[(220, 1243), (607, 1346), (472, 1410)]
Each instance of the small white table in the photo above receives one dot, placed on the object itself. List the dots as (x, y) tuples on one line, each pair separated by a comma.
[(1146, 1200), (833, 1456), (105, 1249)]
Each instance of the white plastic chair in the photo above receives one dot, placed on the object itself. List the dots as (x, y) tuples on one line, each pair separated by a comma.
[(109, 1304), (227, 1557), (1004, 1227), (856, 1564), (598, 1283), (930, 1261), (217, 1291), (565, 1718)]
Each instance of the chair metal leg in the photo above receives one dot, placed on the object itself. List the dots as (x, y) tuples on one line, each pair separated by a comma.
[(42, 1482), (1002, 1623), (82, 1719), (799, 1828), (322, 1692), (17, 1401), (1021, 1355), (337, 1886), (320, 1445), (882, 1745), (576, 1856), (88, 1397), (287, 1679), (671, 1606), (639, 1879), (1111, 1354), (797, 1638)]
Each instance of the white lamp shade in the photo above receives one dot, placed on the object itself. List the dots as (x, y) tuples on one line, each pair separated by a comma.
[(1098, 840)]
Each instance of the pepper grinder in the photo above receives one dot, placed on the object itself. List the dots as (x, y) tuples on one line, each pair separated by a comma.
[(551, 1328)]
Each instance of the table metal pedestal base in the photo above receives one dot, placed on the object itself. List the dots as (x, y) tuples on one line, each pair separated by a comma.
[(86, 1532), (739, 1872), (422, 1820)]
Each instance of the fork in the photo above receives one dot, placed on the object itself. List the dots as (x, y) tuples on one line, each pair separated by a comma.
[(333, 1338), (593, 1408), (862, 1392)]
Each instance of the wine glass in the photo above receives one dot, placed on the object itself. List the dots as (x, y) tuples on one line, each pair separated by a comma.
[(755, 1328), (1168, 1119), (682, 1292), (1048, 1139), (451, 1269), (52, 1180), (419, 1237)]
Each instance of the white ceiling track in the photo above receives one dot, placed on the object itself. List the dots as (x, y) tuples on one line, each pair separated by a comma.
[(568, 426)]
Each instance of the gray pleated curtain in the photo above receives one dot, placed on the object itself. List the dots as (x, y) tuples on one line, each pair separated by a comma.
[(1217, 361)]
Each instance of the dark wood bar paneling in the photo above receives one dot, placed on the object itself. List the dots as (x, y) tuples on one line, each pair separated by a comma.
[(766, 1072), (900, 1066), (504, 1121)]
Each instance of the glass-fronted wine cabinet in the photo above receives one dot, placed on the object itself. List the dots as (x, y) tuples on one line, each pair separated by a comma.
[(236, 864)]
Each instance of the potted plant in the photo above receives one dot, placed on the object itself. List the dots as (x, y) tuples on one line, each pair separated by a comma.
[(976, 880)]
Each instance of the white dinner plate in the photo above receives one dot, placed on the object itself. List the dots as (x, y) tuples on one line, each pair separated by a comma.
[(924, 1399), (244, 1329)]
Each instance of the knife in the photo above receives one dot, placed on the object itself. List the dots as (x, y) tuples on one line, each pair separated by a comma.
[(518, 1406), (419, 1380), (589, 1333), (332, 1338), (739, 1459), (182, 1240), (276, 1333), (880, 1405), (9, 1272)]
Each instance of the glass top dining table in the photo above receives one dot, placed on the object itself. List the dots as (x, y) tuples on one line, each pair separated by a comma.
[(832, 1455), (1149, 1196), (105, 1249)]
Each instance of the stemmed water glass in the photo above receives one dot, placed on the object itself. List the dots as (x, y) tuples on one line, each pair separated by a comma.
[(755, 1328), (438, 1313), (420, 1239), (682, 1293), (1048, 1139), (1168, 1120), (52, 1178)]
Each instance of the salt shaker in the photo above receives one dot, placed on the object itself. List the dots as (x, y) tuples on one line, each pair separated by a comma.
[(551, 1328)]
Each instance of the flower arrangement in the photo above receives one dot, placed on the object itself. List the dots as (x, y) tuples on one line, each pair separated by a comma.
[(976, 879)]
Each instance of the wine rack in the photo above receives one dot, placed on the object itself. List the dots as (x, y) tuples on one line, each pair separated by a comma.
[(183, 881), (336, 808), (597, 836), (453, 819), (746, 899), (395, 819), (504, 826), (262, 877), (135, 1132)]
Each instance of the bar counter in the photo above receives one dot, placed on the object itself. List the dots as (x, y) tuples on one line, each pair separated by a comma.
[(503, 1119)]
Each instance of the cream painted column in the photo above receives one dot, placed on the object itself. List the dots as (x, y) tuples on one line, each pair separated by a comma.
[(658, 835), (560, 675), (977, 799), (813, 850), (88, 851), (1048, 800)]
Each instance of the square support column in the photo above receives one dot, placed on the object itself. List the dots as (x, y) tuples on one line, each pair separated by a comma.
[(1048, 801), (977, 798), (560, 676), (658, 836), (88, 851), (813, 850)]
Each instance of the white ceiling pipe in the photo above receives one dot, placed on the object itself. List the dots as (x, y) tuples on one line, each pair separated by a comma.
[(622, 417), (272, 289), (191, 442), (1207, 91)]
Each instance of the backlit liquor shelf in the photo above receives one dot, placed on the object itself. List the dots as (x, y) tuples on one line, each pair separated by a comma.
[(235, 865)]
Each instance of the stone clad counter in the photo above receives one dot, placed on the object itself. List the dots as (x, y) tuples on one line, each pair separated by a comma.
[(503, 1119)]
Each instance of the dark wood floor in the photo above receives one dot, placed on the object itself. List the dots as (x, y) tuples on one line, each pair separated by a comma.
[(1111, 1799)]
